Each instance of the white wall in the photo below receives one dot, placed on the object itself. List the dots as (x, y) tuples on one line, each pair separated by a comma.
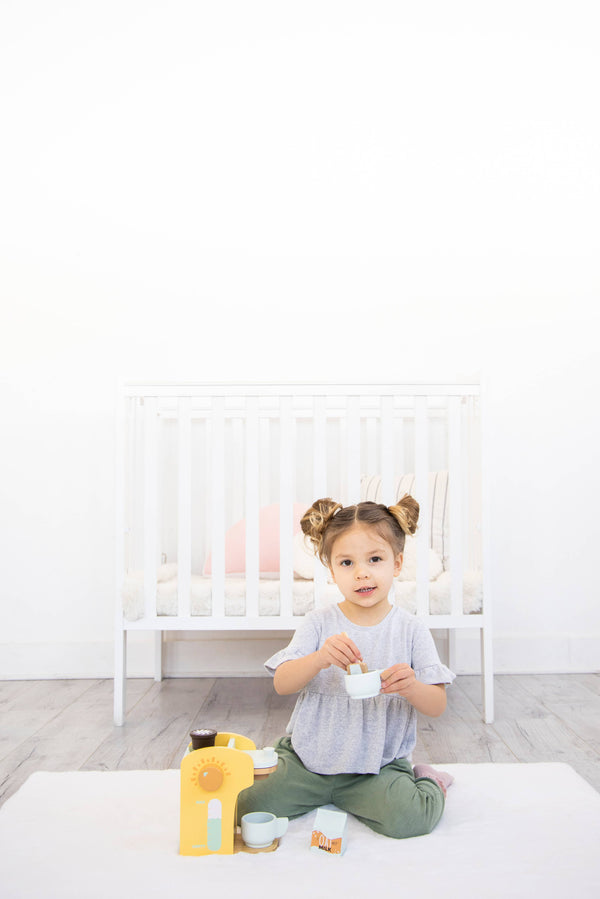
[(275, 190)]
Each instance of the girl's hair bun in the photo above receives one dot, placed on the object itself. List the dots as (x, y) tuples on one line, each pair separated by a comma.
[(406, 513), (315, 520)]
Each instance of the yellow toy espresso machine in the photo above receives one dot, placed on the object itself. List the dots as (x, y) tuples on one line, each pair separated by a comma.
[(211, 780)]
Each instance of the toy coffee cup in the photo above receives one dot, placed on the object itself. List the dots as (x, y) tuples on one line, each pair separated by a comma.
[(259, 829), (203, 737), (363, 686), (262, 758)]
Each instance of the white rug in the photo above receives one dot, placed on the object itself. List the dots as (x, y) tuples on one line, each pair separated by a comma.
[(507, 831)]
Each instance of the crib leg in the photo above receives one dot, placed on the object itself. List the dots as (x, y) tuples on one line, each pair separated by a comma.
[(120, 676), (487, 675), (158, 655)]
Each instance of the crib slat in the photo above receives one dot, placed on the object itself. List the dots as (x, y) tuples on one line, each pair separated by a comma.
[(287, 456), (320, 448), (421, 495), (184, 504), (371, 445), (150, 505), (472, 498), (133, 465), (319, 476), (123, 477), (252, 506), (387, 450), (266, 462), (353, 450), (398, 431), (218, 506), (235, 481), (455, 487)]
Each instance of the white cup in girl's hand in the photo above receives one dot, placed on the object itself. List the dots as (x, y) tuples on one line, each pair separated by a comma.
[(259, 829), (363, 686)]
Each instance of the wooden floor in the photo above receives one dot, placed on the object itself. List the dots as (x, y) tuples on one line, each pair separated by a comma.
[(67, 725)]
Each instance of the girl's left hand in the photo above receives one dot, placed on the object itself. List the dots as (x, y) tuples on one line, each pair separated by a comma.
[(398, 679)]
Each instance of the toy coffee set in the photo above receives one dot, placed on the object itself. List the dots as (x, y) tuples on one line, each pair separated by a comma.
[(218, 766), (214, 770)]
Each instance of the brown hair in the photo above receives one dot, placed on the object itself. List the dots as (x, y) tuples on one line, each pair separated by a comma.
[(326, 520)]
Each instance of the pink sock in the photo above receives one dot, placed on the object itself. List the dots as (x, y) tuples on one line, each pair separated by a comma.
[(442, 778)]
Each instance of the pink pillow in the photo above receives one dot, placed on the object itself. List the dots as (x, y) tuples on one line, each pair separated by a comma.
[(268, 551)]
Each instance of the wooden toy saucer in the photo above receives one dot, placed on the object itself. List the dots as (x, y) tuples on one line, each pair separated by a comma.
[(264, 772), (240, 846)]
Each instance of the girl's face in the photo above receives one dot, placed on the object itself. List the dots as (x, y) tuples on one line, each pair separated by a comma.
[(363, 566)]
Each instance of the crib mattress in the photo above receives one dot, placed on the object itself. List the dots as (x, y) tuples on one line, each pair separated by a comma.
[(303, 596)]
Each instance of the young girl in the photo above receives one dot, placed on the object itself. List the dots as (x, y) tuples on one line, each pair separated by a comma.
[(350, 752)]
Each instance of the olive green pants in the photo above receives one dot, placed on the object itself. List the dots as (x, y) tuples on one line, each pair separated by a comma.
[(392, 802)]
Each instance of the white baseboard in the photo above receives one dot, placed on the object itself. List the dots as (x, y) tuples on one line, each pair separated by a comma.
[(212, 655), (531, 654), (51, 661), (221, 654)]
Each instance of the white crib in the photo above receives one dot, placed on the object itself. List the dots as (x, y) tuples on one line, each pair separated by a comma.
[(211, 480)]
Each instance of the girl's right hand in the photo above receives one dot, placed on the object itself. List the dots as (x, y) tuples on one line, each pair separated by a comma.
[(338, 650)]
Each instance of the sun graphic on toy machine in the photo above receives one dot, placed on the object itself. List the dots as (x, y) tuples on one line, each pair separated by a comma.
[(210, 774)]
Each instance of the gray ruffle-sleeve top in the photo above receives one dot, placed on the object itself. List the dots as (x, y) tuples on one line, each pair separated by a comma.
[(333, 733)]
